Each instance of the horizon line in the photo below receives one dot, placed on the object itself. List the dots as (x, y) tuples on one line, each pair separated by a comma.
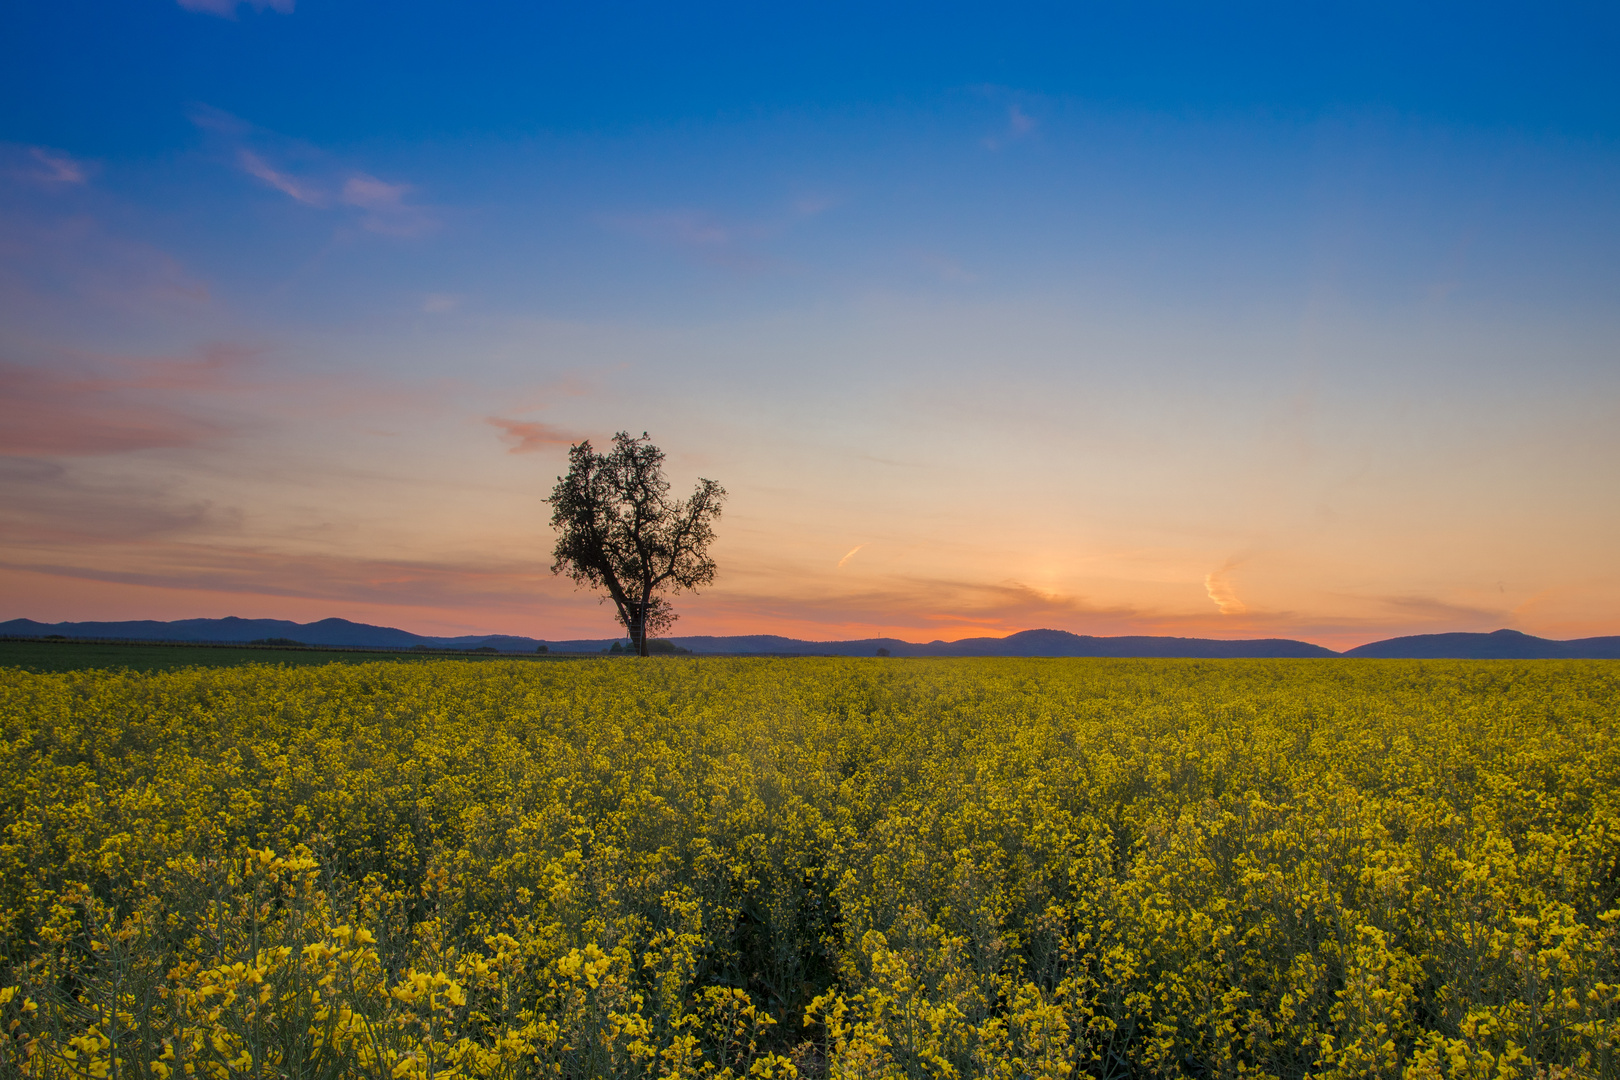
[(815, 641)]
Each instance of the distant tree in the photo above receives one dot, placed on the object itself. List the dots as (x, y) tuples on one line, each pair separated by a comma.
[(619, 530), (883, 652), (542, 648)]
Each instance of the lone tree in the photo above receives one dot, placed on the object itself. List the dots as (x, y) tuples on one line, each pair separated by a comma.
[(619, 530)]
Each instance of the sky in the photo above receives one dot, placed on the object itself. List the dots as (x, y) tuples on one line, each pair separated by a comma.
[(1235, 321)]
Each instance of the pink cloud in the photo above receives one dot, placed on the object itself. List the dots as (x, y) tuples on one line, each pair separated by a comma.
[(46, 413), (88, 404), (1020, 125), (811, 205), (320, 183), (226, 9), (698, 233), (45, 261), (53, 509), (730, 244), (43, 166), (60, 168), (1222, 593), (386, 211), (527, 436), (255, 166), (219, 121), (696, 230), (166, 563), (370, 193), (947, 268)]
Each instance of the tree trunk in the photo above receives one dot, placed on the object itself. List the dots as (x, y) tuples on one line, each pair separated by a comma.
[(638, 629)]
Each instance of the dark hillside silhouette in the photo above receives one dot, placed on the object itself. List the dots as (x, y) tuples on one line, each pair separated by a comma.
[(1500, 645), (1503, 644)]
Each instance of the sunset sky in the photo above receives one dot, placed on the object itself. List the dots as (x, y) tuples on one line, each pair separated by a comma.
[(1225, 320)]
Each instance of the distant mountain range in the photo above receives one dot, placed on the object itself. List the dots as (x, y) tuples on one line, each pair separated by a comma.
[(1500, 645), (1024, 643), (1503, 644)]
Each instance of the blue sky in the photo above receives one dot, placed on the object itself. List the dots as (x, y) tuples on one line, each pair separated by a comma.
[(1235, 321)]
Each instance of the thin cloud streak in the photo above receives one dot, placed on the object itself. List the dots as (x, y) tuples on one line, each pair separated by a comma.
[(45, 412), (86, 404), (1218, 584), (1019, 125), (55, 512), (710, 239), (528, 436), (696, 235), (386, 211), (226, 9), (328, 579), (683, 228), (59, 168), (73, 264), (383, 207), (255, 166)]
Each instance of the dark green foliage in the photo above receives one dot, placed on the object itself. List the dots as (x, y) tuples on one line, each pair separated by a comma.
[(619, 531)]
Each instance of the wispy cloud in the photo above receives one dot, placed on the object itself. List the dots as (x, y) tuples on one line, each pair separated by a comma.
[(335, 579), (527, 436), (710, 239), (1018, 125), (226, 9), (310, 177), (52, 507), (85, 404), (683, 228), (43, 167), (947, 268), (811, 205), (1218, 584), (386, 211), (218, 121), (850, 555), (1432, 610), (288, 185), (46, 262), (57, 167), (108, 408)]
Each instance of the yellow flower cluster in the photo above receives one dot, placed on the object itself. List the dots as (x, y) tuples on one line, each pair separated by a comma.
[(818, 868)]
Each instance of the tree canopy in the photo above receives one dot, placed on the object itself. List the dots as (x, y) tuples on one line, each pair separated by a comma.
[(619, 530)]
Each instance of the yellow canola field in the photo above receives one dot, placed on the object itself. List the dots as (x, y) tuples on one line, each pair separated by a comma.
[(813, 868)]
